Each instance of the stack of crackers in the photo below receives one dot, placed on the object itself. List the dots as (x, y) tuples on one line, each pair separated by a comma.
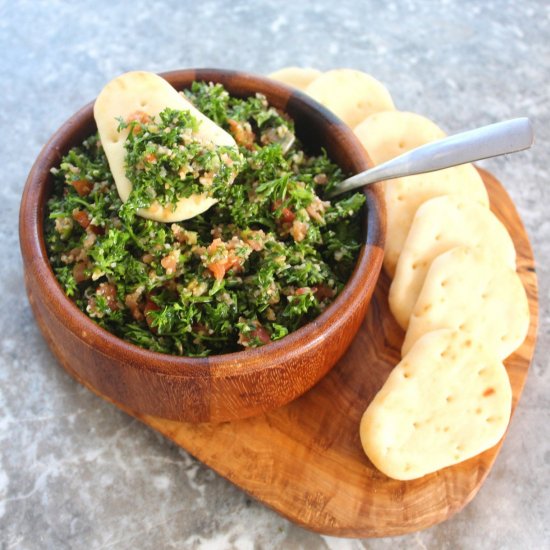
[(455, 291)]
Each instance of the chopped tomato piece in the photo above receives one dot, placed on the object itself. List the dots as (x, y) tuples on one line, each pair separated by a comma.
[(170, 262), (83, 187), (218, 269), (254, 239), (149, 307), (302, 290), (140, 117), (216, 243), (323, 291), (79, 272), (261, 334), (224, 260), (287, 215), (81, 217), (96, 229)]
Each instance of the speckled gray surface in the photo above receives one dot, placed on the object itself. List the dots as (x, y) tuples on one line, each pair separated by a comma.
[(77, 473)]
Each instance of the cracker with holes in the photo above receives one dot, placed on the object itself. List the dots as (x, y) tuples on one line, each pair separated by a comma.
[(467, 289), (351, 95), (439, 225), (141, 95), (448, 400), (405, 195), (297, 77), (388, 134)]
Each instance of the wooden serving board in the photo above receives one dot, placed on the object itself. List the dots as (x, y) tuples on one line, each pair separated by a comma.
[(305, 460)]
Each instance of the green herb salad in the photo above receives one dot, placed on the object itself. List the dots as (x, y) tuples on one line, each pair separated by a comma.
[(268, 257)]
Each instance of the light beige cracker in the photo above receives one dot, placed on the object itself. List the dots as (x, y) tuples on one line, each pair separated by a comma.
[(144, 92), (297, 77), (388, 134), (404, 196), (351, 95), (439, 225), (476, 293), (448, 400)]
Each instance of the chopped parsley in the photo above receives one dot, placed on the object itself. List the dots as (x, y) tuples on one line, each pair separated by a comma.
[(165, 160), (266, 259)]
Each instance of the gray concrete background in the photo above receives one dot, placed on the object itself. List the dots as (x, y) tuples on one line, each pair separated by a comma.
[(77, 473)]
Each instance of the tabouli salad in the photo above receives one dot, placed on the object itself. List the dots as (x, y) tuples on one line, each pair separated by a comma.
[(265, 259)]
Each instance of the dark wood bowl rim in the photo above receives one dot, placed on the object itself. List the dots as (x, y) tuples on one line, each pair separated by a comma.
[(306, 338)]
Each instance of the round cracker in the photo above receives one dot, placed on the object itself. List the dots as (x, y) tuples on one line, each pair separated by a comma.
[(351, 95), (388, 134), (439, 225), (404, 196), (297, 77), (448, 400), (476, 293)]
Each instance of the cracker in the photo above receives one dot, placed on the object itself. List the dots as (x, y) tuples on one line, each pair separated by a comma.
[(388, 134), (404, 196), (468, 290), (351, 95), (148, 93), (448, 400), (297, 77), (439, 225)]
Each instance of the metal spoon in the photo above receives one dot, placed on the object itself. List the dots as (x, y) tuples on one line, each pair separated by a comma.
[(485, 142)]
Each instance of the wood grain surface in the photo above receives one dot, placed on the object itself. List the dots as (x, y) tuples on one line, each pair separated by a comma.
[(305, 460)]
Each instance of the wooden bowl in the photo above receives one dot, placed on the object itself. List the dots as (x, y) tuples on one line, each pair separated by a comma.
[(221, 387)]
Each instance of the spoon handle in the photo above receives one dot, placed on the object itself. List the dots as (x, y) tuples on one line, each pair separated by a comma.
[(485, 142)]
